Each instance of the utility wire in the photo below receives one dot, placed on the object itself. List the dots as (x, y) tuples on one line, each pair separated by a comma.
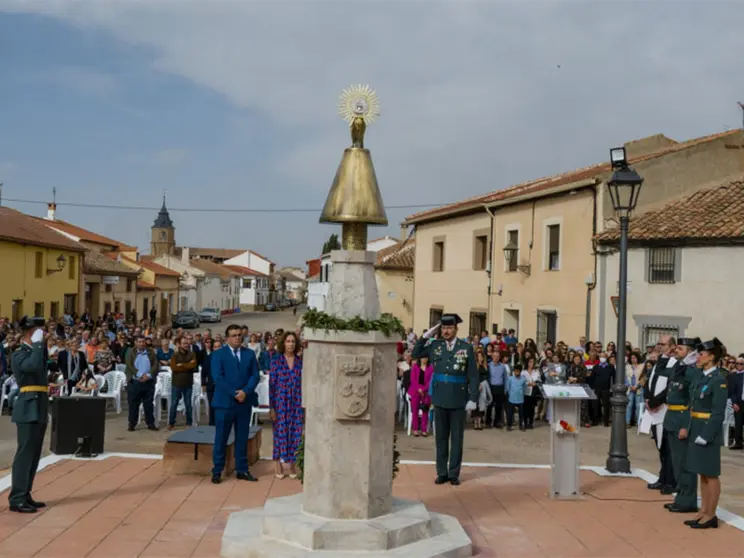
[(204, 209)]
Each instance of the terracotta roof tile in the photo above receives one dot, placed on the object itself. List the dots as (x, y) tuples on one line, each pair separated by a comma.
[(25, 229), (400, 256), (711, 214), (86, 235), (144, 285), (244, 270), (157, 269), (550, 182), (98, 263), (212, 268)]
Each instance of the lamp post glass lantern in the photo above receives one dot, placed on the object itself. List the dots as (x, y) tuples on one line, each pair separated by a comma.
[(624, 187)]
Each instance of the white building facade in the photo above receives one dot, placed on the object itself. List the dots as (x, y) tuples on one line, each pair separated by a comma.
[(679, 291)]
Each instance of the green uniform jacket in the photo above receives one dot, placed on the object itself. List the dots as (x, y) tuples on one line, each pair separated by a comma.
[(455, 379), (29, 365), (682, 380), (131, 370), (708, 397)]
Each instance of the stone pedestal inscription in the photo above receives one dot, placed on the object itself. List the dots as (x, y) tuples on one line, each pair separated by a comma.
[(353, 387)]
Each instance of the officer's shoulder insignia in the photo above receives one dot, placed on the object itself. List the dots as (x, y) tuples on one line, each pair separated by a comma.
[(723, 385)]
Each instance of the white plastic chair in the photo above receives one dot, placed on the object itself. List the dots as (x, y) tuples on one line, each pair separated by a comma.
[(5, 392), (409, 416), (728, 422), (401, 401), (101, 383), (264, 406), (115, 381)]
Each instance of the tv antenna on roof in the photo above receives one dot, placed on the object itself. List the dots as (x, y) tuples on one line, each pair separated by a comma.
[(741, 106)]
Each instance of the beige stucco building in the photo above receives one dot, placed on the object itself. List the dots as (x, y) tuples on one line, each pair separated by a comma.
[(394, 277), (524, 258)]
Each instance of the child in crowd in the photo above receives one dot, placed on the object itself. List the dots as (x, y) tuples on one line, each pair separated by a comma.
[(515, 387)]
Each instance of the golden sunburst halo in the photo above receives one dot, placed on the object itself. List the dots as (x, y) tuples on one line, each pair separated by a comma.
[(359, 101)]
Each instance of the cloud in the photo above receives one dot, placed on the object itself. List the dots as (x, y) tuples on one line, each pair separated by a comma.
[(82, 80), (165, 157), (475, 95)]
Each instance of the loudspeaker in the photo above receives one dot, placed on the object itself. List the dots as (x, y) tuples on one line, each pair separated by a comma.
[(78, 425)]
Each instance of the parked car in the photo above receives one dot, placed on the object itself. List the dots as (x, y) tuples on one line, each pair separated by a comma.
[(210, 315), (271, 307), (187, 319)]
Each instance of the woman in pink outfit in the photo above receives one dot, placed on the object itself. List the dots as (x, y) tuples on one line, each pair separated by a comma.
[(421, 373)]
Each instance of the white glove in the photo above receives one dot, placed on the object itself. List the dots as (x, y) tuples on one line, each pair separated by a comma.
[(431, 331), (37, 336), (700, 441), (471, 406)]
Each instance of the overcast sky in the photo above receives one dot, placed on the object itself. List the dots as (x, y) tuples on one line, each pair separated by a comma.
[(232, 104)]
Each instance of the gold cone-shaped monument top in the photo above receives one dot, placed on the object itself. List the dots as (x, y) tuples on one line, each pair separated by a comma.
[(355, 196)]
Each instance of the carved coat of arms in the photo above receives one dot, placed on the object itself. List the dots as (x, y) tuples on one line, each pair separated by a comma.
[(353, 384)]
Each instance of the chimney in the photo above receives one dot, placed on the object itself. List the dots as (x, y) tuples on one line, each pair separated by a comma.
[(51, 211), (403, 232), (185, 254)]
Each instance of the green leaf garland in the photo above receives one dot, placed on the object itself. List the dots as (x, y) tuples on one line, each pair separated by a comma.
[(387, 324)]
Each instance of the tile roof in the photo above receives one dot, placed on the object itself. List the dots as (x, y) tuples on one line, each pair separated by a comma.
[(157, 269), (400, 256), (546, 184), (144, 285), (218, 253), (98, 263), (212, 268), (86, 235), (707, 215), (244, 270), (25, 229)]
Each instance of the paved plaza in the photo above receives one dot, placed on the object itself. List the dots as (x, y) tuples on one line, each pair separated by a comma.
[(126, 507)]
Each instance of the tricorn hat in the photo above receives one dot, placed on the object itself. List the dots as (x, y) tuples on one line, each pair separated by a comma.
[(27, 323), (713, 346), (689, 342), (451, 320)]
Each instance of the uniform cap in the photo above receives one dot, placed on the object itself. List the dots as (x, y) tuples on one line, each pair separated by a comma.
[(451, 320), (27, 323), (689, 341)]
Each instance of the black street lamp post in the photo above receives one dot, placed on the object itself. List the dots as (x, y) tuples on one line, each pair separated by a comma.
[(624, 187)]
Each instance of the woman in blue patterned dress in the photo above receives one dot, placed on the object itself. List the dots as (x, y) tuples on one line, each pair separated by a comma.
[(285, 398)]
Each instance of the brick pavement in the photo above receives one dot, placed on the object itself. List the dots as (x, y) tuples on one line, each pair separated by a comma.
[(119, 508)]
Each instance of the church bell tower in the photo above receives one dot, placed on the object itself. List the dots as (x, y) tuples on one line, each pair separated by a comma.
[(163, 241)]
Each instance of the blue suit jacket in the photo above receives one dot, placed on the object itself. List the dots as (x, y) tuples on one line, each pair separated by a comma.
[(229, 376)]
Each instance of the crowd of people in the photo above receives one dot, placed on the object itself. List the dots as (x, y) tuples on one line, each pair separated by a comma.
[(511, 371)]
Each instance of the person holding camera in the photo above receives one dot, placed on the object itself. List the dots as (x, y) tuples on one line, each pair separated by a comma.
[(30, 411)]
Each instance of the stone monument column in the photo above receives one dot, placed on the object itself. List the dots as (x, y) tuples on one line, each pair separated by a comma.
[(349, 396)]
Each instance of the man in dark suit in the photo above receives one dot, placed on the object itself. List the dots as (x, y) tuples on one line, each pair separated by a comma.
[(235, 374), (735, 388), (29, 413), (72, 364), (454, 391), (655, 401)]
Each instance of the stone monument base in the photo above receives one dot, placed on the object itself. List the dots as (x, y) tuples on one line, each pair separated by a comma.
[(282, 529)]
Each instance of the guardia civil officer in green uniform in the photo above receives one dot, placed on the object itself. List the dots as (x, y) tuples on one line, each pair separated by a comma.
[(454, 391), (707, 411), (682, 379), (30, 412)]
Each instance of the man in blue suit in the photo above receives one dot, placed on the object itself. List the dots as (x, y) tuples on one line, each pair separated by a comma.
[(235, 375)]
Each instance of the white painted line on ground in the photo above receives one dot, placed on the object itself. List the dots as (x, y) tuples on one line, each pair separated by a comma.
[(724, 515)]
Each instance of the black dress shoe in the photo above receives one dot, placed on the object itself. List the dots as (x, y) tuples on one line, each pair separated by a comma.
[(441, 480), (712, 523), (668, 490), (130, 429), (216, 479), (34, 504), (736, 447), (246, 477), (669, 506), (655, 486), (153, 428), (23, 508), (680, 509), (692, 522), (455, 482)]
